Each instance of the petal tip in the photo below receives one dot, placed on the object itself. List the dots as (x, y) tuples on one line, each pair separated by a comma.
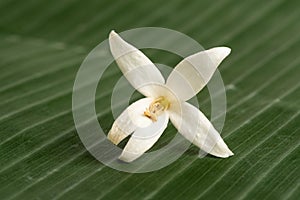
[(125, 157), (113, 36), (112, 33), (227, 153), (115, 135), (221, 150), (225, 50), (228, 50), (112, 139)]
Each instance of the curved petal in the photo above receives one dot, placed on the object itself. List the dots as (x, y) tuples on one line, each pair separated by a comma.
[(193, 125), (129, 120), (194, 72), (144, 138), (136, 67)]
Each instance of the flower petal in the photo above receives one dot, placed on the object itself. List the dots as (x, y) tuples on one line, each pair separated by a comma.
[(194, 72), (136, 67), (129, 120), (193, 125), (144, 138)]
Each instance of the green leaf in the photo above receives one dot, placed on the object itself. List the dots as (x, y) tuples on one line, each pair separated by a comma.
[(42, 46)]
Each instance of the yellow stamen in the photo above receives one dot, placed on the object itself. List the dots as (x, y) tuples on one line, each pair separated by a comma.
[(156, 108)]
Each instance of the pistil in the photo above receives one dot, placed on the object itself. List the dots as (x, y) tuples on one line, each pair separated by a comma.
[(156, 108)]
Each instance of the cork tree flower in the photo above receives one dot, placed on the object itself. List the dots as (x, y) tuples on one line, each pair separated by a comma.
[(146, 119)]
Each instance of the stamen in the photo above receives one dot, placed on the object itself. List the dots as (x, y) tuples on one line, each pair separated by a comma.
[(156, 108)]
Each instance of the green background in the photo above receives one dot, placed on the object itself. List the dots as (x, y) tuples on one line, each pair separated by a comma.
[(42, 46)]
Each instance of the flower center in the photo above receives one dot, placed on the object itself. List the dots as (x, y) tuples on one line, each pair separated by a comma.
[(156, 108)]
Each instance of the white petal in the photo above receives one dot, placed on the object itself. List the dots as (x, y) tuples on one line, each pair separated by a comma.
[(129, 120), (136, 67), (193, 125), (144, 138), (194, 72)]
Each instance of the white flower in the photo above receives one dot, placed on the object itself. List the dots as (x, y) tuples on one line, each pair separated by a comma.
[(147, 118)]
